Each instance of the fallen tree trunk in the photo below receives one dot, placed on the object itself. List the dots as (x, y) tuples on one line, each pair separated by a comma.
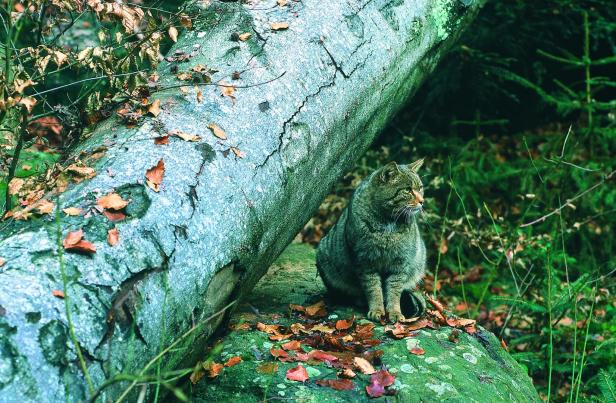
[(309, 100)]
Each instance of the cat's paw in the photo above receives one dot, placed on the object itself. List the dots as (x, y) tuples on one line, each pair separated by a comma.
[(375, 315), (395, 316)]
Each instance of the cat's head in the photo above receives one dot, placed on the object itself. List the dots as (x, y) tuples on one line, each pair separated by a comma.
[(398, 189)]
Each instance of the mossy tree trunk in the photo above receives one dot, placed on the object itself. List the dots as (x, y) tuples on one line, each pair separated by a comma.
[(309, 101)]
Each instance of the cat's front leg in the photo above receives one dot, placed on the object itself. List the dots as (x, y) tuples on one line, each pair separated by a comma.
[(395, 284), (373, 290)]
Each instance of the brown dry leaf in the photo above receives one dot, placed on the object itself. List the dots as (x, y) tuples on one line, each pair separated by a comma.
[(336, 384), (292, 345), (2, 262), (279, 26), (435, 303), (154, 109), (245, 36), (154, 176), (363, 365), (72, 211), (21, 85), (162, 140), (112, 201), (184, 136), (184, 76), (173, 33), (74, 242), (184, 89), (58, 294), (217, 131), (15, 185), (316, 310), (269, 329), (347, 373), (233, 361), (344, 324), (323, 328), (113, 236), (45, 206)]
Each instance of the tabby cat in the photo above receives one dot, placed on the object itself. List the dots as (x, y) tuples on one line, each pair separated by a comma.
[(375, 253)]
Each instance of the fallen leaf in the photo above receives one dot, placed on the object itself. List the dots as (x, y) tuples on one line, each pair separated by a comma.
[(154, 109), (28, 102), (173, 33), (112, 201), (213, 369), (344, 324), (383, 377), (86, 172), (323, 328), (233, 361), (199, 94), (347, 373), (245, 36), (185, 136), (268, 368), (337, 384), (114, 216), (281, 3), (217, 131), (162, 140), (2, 262), (72, 211), (317, 310), (363, 365), (155, 175), (278, 353), (280, 337), (298, 374), (292, 345), (113, 236), (72, 238), (375, 389), (435, 303), (238, 153), (15, 185), (417, 351), (44, 206), (459, 322), (279, 26), (321, 356), (269, 329), (58, 293), (241, 326)]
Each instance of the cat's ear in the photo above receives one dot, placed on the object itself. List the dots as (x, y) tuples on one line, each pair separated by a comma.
[(389, 171), (416, 165)]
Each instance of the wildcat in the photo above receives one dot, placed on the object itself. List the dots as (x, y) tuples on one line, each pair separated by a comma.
[(375, 249)]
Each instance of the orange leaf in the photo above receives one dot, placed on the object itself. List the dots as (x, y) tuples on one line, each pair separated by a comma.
[(233, 361), (337, 384), (344, 324), (155, 175), (292, 345), (2, 262), (112, 201), (72, 211), (162, 140), (58, 293), (418, 351), (213, 369), (72, 238), (114, 215), (245, 36), (269, 329), (277, 353), (44, 206), (113, 236), (316, 310)]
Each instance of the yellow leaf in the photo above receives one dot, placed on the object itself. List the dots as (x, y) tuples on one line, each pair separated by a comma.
[(279, 26), (185, 136), (173, 34), (245, 36), (72, 211), (217, 131), (227, 90)]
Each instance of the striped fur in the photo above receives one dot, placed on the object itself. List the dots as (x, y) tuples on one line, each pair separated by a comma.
[(375, 252)]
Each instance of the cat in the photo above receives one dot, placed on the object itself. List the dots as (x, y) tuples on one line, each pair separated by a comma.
[(375, 249)]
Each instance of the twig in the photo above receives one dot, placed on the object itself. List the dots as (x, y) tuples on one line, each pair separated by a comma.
[(221, 85), (569, 201)]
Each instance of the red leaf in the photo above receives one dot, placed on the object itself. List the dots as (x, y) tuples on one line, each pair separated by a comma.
[(383, 377), (292, 345), (375, 389), (418, 351), (233, 361), (114, 216), (337, 384), (72, 238), (74, 242), (322, 356), (298, 374)]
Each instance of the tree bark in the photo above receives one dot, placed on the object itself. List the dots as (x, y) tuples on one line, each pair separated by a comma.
[(309, 101)]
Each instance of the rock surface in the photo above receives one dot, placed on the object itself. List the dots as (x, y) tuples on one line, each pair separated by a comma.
[(475, 368), (309, 101)]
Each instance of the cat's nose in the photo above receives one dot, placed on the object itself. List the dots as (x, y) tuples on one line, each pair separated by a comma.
[(418, 197)]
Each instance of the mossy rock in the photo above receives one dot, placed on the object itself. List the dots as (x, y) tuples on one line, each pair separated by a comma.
[(472, 368)]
